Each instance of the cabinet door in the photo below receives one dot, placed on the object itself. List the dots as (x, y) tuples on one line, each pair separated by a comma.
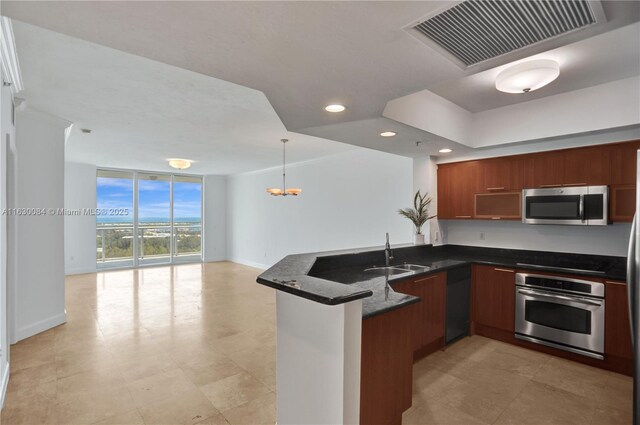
[(433, 290), (429, 316), (444, 192), (463, 186), (623, 203), (494, 297), (498, 206), (617, 333), (587, 166), (501, 174), (544, 170), (623, 163)]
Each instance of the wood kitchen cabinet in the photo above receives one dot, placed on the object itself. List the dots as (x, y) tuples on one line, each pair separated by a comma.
[(429, 316), (498, 206), (501, 174), (544, 170), (617, 333), (457, 183), (493, 297), (572, 167), (623, 163), (622, 203)]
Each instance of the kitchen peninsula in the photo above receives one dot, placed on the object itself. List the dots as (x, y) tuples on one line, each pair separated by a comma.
[(404, 315)]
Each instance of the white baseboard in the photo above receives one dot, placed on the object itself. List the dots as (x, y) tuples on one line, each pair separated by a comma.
[(4, 384), (215, 259), (249, 263), (41, 326)]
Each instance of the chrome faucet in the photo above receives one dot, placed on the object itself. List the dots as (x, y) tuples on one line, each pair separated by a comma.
[(388, 253)]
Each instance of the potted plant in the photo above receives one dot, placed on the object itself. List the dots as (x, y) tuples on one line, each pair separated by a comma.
[(418, 215)]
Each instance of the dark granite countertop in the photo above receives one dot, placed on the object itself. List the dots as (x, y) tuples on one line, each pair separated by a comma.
[(338, 277)]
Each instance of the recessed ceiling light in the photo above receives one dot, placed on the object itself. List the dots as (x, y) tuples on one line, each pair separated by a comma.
[(527, 76), (335, 108), (445, 150), (388, 133), (180, 164)]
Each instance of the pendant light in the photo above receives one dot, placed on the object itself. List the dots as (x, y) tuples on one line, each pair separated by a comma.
[(284, 191)]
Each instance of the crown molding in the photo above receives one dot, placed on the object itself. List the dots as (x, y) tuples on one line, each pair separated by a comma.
[(9, 56)]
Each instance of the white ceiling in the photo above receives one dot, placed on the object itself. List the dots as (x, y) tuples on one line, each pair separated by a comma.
[(304, 55), (607, 57), (142, 112)]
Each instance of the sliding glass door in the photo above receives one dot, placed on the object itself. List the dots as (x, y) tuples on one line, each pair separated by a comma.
[(164, 211), (115, 218), (154, 218), (187, 216)]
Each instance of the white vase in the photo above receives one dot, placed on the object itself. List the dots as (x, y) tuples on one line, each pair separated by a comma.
[(418, 239)]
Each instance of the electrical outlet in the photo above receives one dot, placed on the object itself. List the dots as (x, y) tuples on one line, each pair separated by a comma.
[(481, 236)]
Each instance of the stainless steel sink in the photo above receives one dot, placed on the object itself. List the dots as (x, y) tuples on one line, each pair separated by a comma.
[(387, 271), (415, 267)]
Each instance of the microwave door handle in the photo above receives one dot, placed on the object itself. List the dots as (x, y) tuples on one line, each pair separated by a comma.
[(631, 278), (581, 208), (559, 297)]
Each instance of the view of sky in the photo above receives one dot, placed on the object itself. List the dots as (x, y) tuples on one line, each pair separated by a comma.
[(114, 195)]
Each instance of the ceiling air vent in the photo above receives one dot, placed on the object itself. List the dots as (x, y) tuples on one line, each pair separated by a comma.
[(474, 31)]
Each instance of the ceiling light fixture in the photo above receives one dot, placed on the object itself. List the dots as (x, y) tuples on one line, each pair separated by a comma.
[(284, 191), (180, 164), (388, 133), (527, 76), (335, 108), (445, 150)]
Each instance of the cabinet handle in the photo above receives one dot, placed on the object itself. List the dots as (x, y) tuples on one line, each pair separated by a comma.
[(504, 270), (463, 216), (496, 218), (424, 279), (495, 188), (574, 184), (550, 185)]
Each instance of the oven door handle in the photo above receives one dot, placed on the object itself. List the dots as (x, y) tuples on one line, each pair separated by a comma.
[(560, 297)]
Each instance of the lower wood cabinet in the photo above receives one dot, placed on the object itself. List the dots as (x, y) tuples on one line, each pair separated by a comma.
[(493, 297), (386, 369), (617, 332), (429, 316)]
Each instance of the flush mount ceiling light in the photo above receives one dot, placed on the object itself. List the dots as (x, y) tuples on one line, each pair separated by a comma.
[(527, 76), (180, 164), (335, 108), (445, 150), (284, 191), (388, 133)]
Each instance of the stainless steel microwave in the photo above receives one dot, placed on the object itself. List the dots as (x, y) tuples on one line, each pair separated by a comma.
[(583, 206)]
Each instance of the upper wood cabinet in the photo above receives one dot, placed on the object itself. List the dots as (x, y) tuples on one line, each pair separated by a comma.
[(574, 167), (457, 183), (500, 174), (623, 163), (613, 165), (498, 206)]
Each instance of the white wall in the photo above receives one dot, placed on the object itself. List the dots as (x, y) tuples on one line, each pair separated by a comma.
[(603, 240), (79, 230), (349, 200), (215, 218), (37, 251)]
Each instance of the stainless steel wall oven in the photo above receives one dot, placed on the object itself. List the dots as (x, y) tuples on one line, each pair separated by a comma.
[(561, 312)]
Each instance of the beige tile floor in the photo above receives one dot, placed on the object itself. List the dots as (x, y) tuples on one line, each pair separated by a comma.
[(195, 344)]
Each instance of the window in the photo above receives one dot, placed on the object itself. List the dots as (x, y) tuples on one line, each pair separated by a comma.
[(164, 211)]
